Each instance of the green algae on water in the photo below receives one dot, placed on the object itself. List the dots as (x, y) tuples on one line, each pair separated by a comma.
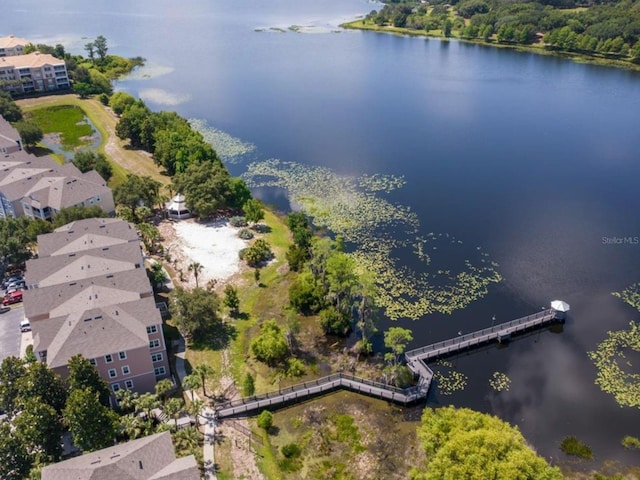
[(381, 233)]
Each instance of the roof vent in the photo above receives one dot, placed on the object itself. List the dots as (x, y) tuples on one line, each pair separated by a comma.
[(140, 463)]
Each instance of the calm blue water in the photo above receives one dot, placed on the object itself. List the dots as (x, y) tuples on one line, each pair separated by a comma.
[(531, 157)]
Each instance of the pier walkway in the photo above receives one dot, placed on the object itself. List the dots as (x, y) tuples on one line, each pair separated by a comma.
[(416, 361)]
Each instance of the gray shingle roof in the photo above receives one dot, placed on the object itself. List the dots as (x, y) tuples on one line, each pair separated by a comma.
[(9, 136), (57, 269), (141, 459), (86, 234), (86, 294), (96, 332)]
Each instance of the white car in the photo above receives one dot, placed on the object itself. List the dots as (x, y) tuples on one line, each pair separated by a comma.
[(25, 326)]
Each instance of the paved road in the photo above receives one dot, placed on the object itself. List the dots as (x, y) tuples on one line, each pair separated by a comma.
[(10, 335)]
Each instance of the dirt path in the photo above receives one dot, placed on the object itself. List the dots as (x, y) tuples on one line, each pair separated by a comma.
[(128, 160)]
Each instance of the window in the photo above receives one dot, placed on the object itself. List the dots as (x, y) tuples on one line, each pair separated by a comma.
[(152, 329), (156, 357), (122, 355), (159, 371), (125, 370), (108, 358), (128, 384), (93, 362), (115, 387), (112, 373), (154, 343)]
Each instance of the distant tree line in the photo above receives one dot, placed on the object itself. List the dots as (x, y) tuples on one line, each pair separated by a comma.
[(609, 28)]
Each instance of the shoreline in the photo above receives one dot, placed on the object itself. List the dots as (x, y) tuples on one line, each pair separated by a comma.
[(597, 59)]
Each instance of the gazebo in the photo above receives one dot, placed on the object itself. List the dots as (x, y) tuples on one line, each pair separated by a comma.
[(177, 208)]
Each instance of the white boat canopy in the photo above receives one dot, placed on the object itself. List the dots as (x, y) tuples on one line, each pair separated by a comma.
[(560, 306)]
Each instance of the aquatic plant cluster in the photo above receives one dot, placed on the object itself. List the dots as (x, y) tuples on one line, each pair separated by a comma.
[(380, 233), (611, 360), (230, 149), (500, 382), (448, 380), (630, 295)]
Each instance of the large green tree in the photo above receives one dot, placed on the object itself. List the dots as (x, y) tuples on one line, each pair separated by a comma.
[(92, 425), (9, 110), (271, 345), (462, 443), (16, 461), (41, 382), (87, 160), (84, 375), (40, 429), (137, 190), (71, 214), (253, 210), (205, 186), (11, 370), (30, 132), (195, 312)]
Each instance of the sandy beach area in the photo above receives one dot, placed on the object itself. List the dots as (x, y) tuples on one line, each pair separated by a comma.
[(214, 245)]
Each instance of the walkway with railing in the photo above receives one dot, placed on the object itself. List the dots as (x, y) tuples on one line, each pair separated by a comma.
[(416, 361)]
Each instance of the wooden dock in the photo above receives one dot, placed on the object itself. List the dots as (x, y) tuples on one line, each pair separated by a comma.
[(416, 361)]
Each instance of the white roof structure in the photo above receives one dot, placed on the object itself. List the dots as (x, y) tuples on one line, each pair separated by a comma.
[(560, 306), (177, 207)]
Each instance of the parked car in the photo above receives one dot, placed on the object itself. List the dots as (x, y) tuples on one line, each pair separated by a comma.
[(14, 297), (5, 283), (25, 326), (17, 284)]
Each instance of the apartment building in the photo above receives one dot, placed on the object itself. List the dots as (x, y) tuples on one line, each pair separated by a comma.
[(34, 72), (88, 293), (147, 458), (12, 45), (38, 187), (10, 141)]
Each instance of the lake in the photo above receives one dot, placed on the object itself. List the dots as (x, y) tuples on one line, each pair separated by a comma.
[(532, 158)]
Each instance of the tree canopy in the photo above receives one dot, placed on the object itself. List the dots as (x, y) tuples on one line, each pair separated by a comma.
[(29, 131), (92, 425), (462, 443), (195, 312), (9, 110), (87, 160), (270, 346), (136, 191)]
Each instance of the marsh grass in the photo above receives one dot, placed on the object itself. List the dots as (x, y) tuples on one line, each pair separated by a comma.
[(67, 120)]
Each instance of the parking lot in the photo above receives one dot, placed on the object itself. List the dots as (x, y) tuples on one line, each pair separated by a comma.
[(10, 335)]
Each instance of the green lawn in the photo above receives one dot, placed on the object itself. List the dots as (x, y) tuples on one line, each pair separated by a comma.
[(67, 120)]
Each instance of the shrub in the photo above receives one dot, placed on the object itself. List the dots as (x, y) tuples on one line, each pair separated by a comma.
[(631, 443), (295, 368), (248, 385), (572, 446), (265, 420), (245, 234), (238, 222), (291, 450), (257, 253)]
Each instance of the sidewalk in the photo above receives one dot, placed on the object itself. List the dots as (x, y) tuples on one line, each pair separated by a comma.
[(207, 415)]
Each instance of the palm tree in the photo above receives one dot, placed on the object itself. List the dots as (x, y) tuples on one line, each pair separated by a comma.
[(173, 408), (132, 426), (191, 382), (163, 387), (204, 371), (196, 268), (195, 407), (145, 403)]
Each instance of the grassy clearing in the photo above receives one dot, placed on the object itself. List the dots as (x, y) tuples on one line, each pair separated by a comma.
[(123, 159), (67, 120)]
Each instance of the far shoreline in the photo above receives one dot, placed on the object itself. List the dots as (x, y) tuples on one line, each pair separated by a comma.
[(600, 61)]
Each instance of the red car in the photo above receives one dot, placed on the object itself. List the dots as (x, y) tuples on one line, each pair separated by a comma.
[(14, 297)]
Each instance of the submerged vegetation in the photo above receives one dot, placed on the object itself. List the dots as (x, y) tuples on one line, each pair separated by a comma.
[(574, 447), (379, 232)]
